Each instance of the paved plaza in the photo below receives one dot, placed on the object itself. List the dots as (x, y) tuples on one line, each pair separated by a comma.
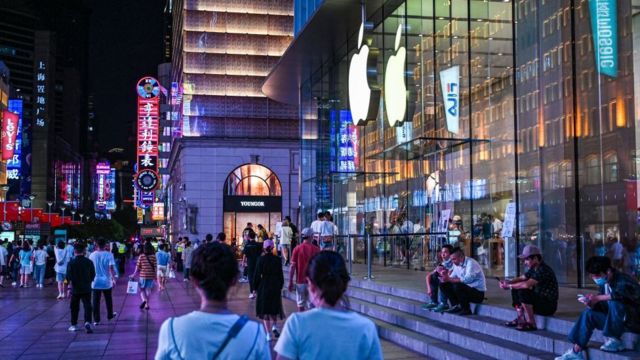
[(33, 324)]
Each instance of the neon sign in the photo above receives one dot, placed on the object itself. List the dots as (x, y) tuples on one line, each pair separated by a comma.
[(148, 90)]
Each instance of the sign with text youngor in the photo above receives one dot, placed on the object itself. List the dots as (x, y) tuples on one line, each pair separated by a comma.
[(252, 204), (604, 28)]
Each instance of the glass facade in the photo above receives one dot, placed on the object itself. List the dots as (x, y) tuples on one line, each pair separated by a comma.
[(545, 116)]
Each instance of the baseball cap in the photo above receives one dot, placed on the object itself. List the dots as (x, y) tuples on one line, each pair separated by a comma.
[(267, 244), (530, 250), (306, 233)]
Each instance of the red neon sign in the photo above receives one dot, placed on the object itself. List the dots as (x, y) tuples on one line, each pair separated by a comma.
[(9, 132)]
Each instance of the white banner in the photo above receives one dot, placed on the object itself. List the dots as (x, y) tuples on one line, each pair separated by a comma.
[(509, 220), (450, 85)]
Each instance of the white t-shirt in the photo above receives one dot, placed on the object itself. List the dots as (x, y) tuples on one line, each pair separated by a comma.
[(317, 226), (327, 228), (40, 257), (62, 259), (285, 235), (3, 256), (101, 261), (329, 334), (199, 334)]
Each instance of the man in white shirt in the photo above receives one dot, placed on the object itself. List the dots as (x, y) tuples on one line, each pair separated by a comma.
[(317, 226), (465, 285), (328, 233), (104, 280)]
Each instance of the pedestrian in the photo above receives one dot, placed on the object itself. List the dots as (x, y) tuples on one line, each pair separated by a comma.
[(439, 302), (179, 256), (614, 310), (26, 263), (40, 262), (164, 265), (269, 281), (466, 284), (4, 261), (221, 237), (286, 236), (188, 256), (300, 259), (262, 234), (104, 280), (213, 331), (80, 274), (49, 271), (534, 293), (147, 266), (306, 335), (294, 229), (62, 260), (251, 253)]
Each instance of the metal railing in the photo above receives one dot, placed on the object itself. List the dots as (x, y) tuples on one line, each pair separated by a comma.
[(395, 249)]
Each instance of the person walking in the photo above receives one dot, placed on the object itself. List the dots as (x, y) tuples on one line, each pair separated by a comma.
[(164, 265), (80, 273), (300, 259), (305, 334), (40, 262), (188, 256), (49, 271), (212, 331), (269, 281), (147, 266), (62, 260), (14, 261), (26, 263), (286, 236), (4, 261), (104, 280), (251, 253)]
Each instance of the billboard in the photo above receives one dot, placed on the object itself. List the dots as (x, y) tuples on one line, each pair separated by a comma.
[(101, 186), (148, 91), (110, 190), (14, 163), (9, 132), (68, 181)]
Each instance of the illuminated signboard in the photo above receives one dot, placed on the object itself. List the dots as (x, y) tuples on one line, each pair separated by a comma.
[(14, 164), (347, 140), (110, 191), (9, 132), (41, 94), (148, 90), (68, 179), (157, 212), (604, 26), (101, 188)]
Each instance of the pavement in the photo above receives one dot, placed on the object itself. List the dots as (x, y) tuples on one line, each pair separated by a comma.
[(33, 324)]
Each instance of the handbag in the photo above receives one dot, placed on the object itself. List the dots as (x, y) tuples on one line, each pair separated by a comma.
[(132, 287), (172, 274)]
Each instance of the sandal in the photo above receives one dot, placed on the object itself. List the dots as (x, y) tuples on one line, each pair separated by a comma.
[(512, 323), (526, 327)]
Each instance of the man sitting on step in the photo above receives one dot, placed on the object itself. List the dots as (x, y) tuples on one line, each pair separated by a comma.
[(466, 283), (439, 302), (535, 292), (614, 310)]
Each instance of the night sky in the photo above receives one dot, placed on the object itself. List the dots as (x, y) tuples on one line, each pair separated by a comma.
[(125, 44)]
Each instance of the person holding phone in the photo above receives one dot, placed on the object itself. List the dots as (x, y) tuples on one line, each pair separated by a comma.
[(534, 293), (439, 302)]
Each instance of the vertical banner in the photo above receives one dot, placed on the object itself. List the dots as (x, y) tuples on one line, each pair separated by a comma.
[(9, 132), (14, 164), (604, 28), (450, 86), (148, 90)]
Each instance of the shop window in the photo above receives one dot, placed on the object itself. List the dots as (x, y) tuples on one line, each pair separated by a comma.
[(610, 170), (592, 170), (252, 180), (566, 174)]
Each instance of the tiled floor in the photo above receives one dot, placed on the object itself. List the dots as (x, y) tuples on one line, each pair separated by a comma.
[(33, 324)]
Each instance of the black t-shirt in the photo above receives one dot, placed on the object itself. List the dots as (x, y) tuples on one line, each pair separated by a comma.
[(252, 251), (547, 286)]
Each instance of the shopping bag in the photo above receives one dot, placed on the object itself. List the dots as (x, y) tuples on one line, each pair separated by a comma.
[(132, 287), (172, 274)]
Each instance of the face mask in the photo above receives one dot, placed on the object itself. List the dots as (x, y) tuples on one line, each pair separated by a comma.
[(600, 281)]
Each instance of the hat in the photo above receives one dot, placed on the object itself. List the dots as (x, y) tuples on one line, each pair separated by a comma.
[(267, 244), (306, 233), (530, 250)]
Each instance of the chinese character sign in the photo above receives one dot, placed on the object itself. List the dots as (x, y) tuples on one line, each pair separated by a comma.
[(41, 94), (148, 90), (348, 139), (9, 132), (14, 164)]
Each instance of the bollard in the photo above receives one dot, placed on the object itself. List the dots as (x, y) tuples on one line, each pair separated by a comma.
[(369, 276), (349, 255)]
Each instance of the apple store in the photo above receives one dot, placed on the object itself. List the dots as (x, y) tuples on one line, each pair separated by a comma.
[(487, 124)]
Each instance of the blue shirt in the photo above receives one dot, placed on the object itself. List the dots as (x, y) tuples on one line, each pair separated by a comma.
[(163, 258), (101, 261), (25, 258)]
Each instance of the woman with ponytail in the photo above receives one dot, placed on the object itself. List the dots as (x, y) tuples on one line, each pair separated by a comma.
[(330, 330)]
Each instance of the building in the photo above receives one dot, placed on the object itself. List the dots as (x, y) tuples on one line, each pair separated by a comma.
[(235, 152), (499, 123)]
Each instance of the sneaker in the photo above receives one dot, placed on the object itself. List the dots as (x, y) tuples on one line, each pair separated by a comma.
[(252, 296), (268, 337), (570, 355), (442, 307), (87, 328), (455, 310), (96, 323), (429, 306), (14, 284), (73, 328), (113, 316), (59, 297), (465, 312), (612, 345), (185, 280)]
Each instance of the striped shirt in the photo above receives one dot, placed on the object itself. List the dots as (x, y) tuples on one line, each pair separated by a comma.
[(147, 268)]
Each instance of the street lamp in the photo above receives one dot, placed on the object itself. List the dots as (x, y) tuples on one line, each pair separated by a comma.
[(81, 216), (50, 204), (31, 197), (73, 213), (63, 208), (5, 189)]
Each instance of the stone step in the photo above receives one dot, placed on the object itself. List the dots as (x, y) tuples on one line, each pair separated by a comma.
[(475, 341)]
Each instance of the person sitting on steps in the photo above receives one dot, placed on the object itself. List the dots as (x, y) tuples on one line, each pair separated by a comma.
[(534, 293), (466, 283), (439, 302), (614, 310)]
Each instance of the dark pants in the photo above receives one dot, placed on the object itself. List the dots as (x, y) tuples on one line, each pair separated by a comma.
[(96, 303), (541, 306), (436, 296), (75, 307), (186, 272), (461, 294), (121, 263), (606, 316), (251, 270), (179, 263)]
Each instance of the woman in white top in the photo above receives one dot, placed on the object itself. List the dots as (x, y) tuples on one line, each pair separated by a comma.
[(208, 333), (330, 330), (62, 259), (286, 234)]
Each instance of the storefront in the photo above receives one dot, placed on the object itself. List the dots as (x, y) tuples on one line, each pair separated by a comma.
[(502, 120), (252, 194)]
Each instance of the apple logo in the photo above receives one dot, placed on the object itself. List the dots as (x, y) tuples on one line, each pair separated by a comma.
[(395, 88), (363, 93)]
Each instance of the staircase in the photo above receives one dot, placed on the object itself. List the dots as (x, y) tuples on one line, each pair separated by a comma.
[(400, 319)]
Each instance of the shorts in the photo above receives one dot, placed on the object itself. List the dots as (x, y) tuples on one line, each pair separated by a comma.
[(302, 296), (146, 283), (162, 271), (25, 270), (60, 276)]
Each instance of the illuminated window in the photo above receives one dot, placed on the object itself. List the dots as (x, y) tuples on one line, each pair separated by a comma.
[(252, 180)]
